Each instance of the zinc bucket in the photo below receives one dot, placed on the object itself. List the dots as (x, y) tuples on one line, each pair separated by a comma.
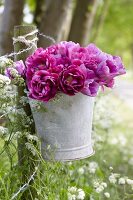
[(65, 127)]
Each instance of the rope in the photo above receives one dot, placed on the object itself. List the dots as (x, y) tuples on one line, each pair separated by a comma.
[(29, 43)]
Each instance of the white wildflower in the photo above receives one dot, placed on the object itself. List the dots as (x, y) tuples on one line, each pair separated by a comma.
[(111, 168), (31, 148), (75, 194), (72, 189), (99, 189), (122, 181), (4, 80), (71, 196), (113, 178), (81, 194), (107, 195), (14, 72), (18, 134), (93, 166), (96, 184), (32, 137), (81, 170), (129, 181), (4, 62), (104, 184), (3, 131)]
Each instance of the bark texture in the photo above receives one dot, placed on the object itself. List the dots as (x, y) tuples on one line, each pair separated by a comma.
[(12, 15), (53, 20), (39, 10), (82, 22)]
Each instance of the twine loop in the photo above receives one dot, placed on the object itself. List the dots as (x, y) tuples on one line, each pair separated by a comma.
[(27, 42), (30, 43)]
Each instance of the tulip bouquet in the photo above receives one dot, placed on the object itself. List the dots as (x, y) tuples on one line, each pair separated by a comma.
[(67, 68)]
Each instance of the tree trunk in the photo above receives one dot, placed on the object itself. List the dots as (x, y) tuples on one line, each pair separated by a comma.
[(53, 20), (101, 19), (12, 15), (40, 8), (82, 21)]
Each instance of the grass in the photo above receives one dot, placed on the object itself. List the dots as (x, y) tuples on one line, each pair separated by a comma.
[(113, 145)]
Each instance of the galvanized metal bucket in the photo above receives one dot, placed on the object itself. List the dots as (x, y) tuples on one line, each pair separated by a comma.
[(65, 128)]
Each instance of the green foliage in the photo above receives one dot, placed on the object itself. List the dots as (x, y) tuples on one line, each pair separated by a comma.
[(31, 4), (53, 180), (116, 34)]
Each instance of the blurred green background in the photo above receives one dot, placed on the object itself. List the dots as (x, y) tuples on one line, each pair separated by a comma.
[(107, 174)]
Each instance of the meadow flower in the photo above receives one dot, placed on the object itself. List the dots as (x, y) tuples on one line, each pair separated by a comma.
[(99, 189), (71, 196), (99, 186), (93, 166), (129, 181), (4, 80), (96, 184), (81, 170), (107, 195), (4, 62), (122, 181), (113, 178), (72, 189), (75, 194), (104, 184), (81, 194), (111, 168), (3, 131)]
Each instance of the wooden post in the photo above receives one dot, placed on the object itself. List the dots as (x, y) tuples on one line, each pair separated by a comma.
[(26, 160)]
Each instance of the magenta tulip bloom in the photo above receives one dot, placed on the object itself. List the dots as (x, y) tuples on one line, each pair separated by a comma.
[(91, 88), (72, 79), (43, 85), (40, 60), (110, 68)]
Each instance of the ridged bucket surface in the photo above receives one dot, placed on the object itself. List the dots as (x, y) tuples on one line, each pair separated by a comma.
[(65, 128)]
